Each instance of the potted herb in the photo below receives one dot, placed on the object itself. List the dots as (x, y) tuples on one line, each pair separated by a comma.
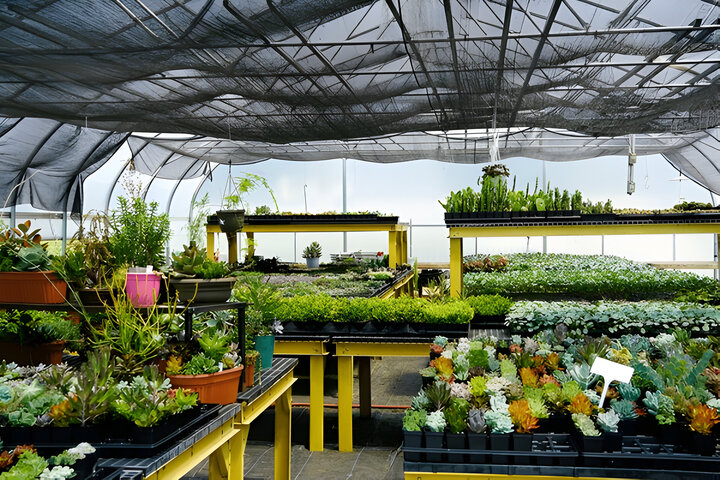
[(35, 337), (197, 279), (312, 254), (25, 274), (214, 372), (139, 236)]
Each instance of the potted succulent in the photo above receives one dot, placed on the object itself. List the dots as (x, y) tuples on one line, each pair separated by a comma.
[(214, 373), (413, 423), (139, 236), (312, 254), (251, 359), (198, 279), (35, 337), (702, 419), (25, 275)]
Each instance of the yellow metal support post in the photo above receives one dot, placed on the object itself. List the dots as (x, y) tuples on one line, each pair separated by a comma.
[(392, 249), (232, 248), (250, 244), (404, 254), (210, 244), (282, 436), (317, 399), (456, 259), (345, 399)]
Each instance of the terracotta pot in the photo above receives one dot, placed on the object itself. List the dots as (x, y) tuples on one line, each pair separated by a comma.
[(220, 387), (249, 380), (32, 287), (47, 353)]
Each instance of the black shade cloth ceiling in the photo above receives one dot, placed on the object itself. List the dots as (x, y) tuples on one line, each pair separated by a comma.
[(301, 79), (298, 70)]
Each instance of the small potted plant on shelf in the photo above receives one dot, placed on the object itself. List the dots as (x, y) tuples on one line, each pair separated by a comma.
[(35, 337), (214, 372), (231, 216), (263, 299), (312, 254), (195, 278), (25, 274), (251, 359)]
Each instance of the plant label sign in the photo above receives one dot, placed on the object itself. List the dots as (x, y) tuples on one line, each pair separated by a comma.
[(610, 371)]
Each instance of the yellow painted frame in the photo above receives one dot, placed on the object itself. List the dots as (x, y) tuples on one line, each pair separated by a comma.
[(345, 352), (225, 446), (317, 350), (456, 235), (397, 236)]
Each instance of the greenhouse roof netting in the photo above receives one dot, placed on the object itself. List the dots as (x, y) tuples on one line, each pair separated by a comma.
[(298, 79)]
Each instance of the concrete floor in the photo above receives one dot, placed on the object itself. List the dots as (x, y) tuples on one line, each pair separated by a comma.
[(377, 454)]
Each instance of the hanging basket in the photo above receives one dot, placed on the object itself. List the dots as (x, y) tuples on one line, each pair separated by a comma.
[(231, 221)]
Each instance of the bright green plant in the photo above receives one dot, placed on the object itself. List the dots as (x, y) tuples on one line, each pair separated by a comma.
[(314, 250), (199, 211), (660, 406), (242, 186), (139, 233), (456, 414), (148, 399), (585, 425), (414, 420)]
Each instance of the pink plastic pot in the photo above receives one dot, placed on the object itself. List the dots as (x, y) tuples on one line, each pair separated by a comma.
[(142, 288)]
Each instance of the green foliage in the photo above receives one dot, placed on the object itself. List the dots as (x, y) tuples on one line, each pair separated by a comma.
[(199, 211), (456, 414), (264, 302), (613, 317), (32, 258), (214, 345), (323, 308), (414, 420), (22, 404), (185, 262), (200, 364), (489, 305), (478, 357), (21, 250), (585, 425), (661, 406), (585, 276), (242, 186), (438, 394), (629, 392), (139, 233), (148, 399), (29, 465), (314, 250), (624, 408), (34, 327)]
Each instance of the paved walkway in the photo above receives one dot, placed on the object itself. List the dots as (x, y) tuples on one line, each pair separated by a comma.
[(377, 440)]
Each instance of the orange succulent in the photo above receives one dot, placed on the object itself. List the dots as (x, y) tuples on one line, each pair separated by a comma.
[(528, 377), (444, 367), (703, 418), (581, 404), (521, 416)]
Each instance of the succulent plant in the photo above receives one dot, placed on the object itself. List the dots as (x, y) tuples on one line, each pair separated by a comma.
[(436, 421), (624, 408), (438, 394), (585, 425), (522, 417), (185, 262), (608, 421), (498, 422), (414, 420), (628, 392), (661, 406), (703, 418), (314, 250), (476, 420)]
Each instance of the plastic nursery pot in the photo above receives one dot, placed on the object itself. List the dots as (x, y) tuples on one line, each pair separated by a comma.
[(220, 387), (500, 441), (215, 290), (702, 444), (612, 441), (477, 441), (312, 262), (46, 353), (434, 440), (142, 288), (32, 287), (522, 442), (265, 344), (413, 440), (456, 441)]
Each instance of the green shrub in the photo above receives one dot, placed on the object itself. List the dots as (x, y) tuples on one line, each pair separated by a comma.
[(489, 305)]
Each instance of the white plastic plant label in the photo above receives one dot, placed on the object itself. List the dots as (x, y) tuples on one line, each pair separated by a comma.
[(148, 269), (610, 371)]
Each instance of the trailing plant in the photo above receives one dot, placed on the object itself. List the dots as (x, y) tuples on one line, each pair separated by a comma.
[(241, 186)]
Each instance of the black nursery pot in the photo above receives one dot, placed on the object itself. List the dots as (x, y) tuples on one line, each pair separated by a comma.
[(477, 441), (703, 444), (456, 441), (500, 441), (612, 441), (628, 427), (413, 440), (434, 440), (522, 442)]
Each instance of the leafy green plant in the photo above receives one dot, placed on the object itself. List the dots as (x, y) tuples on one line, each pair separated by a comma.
[(414, 420), (148, 399), (585, 424), (242, 186), (314, 250), (139, 233), (35, 327), (21, 250), (456, 414)]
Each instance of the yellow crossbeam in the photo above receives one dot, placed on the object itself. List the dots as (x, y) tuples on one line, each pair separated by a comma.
[(317, 227), (573, 230), (397, 288), (251, 410), (377, 349), (300, 347)]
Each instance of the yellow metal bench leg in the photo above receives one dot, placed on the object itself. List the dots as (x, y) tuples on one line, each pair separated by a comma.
[(345, 398), (392, 249), (250, 244), (227, 462), (456, 267), (282, 435), (404, 256), (317, 398)]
